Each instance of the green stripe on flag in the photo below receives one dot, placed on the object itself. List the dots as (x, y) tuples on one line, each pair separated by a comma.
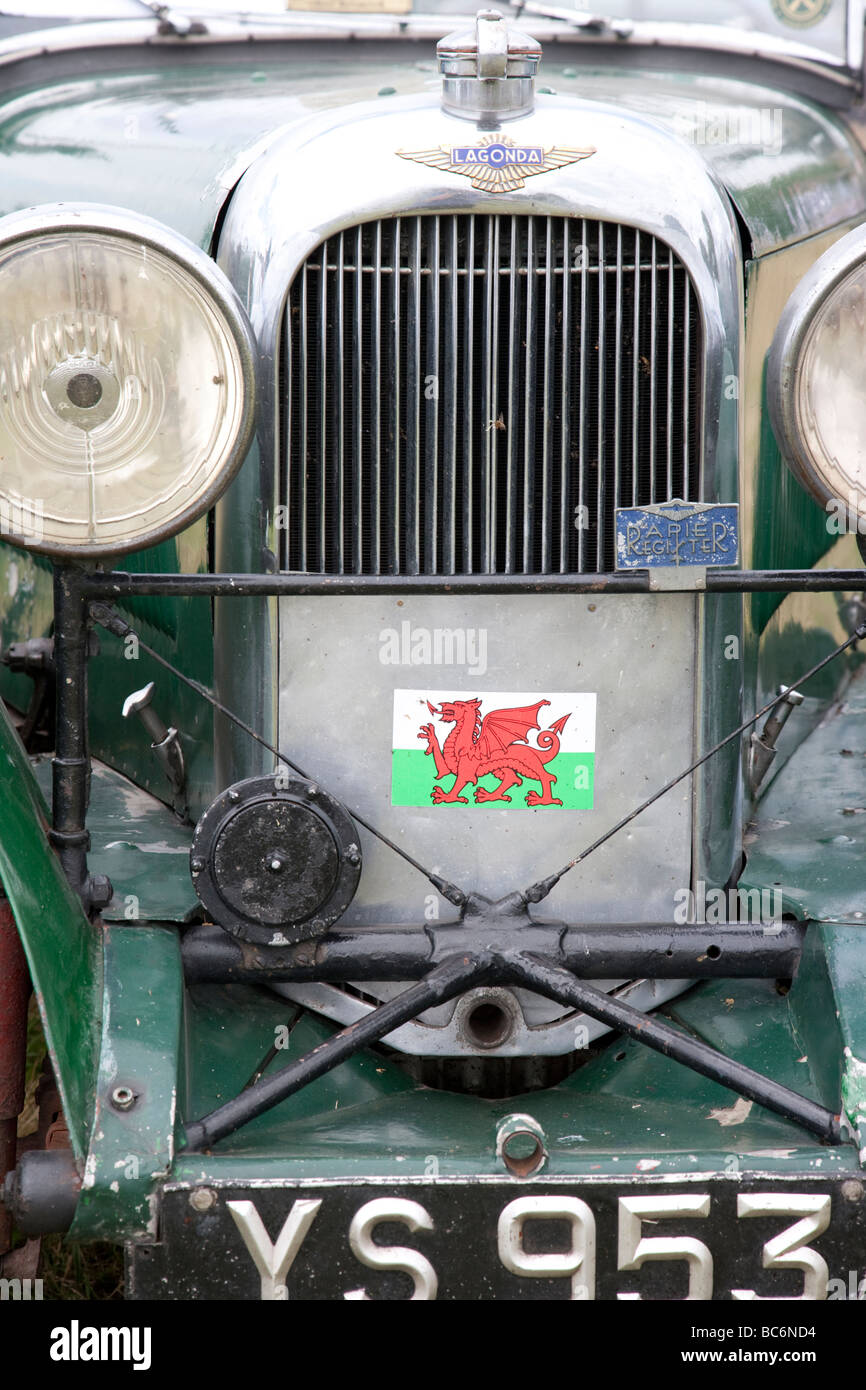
[(413, 779)]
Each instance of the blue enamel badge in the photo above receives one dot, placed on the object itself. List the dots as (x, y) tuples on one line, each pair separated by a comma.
[(676, 533)]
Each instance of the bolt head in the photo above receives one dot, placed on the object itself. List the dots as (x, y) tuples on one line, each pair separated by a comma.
[(202, 1199), (123, 1098), (100, 891)]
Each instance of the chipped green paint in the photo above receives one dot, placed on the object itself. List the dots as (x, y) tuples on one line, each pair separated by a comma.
[(811, 846), (854, 1098), (140, 844), (62, 947), (131, 1149)]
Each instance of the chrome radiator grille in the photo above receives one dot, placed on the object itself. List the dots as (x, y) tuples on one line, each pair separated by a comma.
[(470, 394)]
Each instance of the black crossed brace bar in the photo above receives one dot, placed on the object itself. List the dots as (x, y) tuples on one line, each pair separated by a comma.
[(75, 590)]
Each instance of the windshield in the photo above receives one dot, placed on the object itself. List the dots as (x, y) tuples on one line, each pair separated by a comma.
[(820, 25)]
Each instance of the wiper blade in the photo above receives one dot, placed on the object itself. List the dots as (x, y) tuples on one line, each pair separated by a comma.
[(172, 21), (578, 19)]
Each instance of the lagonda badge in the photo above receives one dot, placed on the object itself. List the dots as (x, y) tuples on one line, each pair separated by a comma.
[(496, 164)]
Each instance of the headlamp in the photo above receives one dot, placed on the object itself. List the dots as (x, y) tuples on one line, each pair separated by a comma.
[(126, 381), (816, 377)]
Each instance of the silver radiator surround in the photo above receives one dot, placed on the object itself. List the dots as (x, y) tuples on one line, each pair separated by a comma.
[(334, 171)]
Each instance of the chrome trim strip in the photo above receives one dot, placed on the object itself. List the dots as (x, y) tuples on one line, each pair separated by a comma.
[(565, 442), (635, 383), (855, 36), (581, 434), (323, 416), (432, 510), (449, 461), (796, 58), (617, 386), (340, 404), (414, 396), (356, 501), (530, 329), (469, 399), (376, 480), (654, 299), (488, 387), (601, 469), (393, 539), (304, 411), (547, 411), (686, 392), (670, 372), (510, 461)]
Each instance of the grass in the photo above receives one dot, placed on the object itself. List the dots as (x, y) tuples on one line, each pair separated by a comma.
[(70, 1272), (80, 1273)]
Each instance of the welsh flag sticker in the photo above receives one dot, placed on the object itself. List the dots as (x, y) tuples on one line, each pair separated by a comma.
[(526, 748)]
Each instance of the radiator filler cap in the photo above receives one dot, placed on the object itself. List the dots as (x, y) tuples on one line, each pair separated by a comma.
[(488, 71)]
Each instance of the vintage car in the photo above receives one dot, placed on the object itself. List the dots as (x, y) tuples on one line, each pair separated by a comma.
[(431, 488)]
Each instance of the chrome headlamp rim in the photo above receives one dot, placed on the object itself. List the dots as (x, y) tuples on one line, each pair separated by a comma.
[(55, 219), (785, 358)]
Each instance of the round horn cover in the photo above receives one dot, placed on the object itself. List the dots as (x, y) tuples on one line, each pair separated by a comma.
[(275, 860)]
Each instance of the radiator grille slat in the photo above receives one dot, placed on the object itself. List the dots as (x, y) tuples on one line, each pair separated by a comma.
[(478, 393)]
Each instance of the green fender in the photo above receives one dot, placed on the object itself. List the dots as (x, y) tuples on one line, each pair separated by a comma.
[(63, 949)]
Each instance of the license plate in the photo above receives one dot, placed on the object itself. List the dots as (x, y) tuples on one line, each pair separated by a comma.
[(742, 1238)]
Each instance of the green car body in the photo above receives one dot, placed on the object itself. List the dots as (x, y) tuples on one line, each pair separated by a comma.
[(191, 132)]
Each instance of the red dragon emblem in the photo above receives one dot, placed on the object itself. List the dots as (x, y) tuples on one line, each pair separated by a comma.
[(496, 744)]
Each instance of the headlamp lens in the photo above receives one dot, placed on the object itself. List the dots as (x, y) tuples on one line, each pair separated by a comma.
[(122, 392)]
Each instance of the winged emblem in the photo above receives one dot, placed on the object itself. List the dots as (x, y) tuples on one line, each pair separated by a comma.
[(496, 164)]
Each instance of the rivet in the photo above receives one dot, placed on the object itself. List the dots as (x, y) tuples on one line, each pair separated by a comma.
[(202, 1199)]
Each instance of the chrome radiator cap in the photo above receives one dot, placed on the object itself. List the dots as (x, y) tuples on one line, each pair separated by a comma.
[(488, 72)]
